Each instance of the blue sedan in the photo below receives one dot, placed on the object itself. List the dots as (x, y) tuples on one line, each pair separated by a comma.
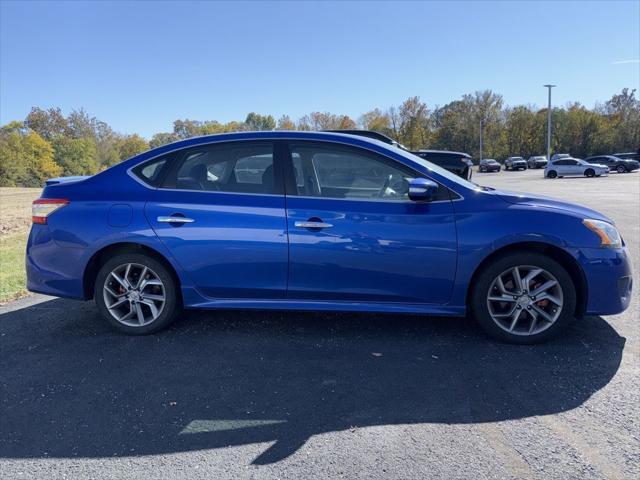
[(319, 221)]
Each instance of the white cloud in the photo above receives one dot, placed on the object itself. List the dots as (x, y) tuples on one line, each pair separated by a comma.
[(622, 62)]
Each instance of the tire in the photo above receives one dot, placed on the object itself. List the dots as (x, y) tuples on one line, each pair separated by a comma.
[(154, 271), (621, 169), (552, 174), (480, 305), (589, 172)]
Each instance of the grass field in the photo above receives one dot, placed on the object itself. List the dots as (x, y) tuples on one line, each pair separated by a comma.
[(15, 220)]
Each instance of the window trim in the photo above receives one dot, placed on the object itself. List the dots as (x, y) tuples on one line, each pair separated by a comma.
[(168, 159), (178, 156), (284, 160), (290, 183)]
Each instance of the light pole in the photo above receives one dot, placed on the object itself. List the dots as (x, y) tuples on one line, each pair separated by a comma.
[(480, 140), (549, 87)]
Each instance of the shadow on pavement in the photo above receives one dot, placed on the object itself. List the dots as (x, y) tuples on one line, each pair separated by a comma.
[(69, 386)]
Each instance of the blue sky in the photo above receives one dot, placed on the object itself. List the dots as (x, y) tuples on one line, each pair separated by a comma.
[(139, 66)]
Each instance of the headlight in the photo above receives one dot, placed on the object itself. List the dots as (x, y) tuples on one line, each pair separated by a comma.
[(609, 236)]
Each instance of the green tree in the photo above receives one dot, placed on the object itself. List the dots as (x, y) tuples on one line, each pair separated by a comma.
[(26, 159), (187, 128), (76, 156), (131, 145), (164, 138), (255, 121)]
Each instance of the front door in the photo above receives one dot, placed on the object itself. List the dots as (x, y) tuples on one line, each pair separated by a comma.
[(221, 212), (355, 236)]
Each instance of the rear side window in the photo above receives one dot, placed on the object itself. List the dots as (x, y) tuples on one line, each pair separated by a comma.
[(232, 167), (151, 172)]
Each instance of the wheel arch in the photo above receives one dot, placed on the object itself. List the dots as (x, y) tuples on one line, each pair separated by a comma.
[(100, 256), (558, 254)]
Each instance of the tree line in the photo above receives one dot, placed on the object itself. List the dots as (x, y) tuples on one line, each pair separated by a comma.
[(48, 144)]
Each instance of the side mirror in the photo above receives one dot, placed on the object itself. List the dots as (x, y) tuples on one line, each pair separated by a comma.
[(422, 190)]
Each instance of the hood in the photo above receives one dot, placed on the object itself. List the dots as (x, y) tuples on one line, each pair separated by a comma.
[(519, 198)]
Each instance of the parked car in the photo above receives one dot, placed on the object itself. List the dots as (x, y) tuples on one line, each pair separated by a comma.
[(456, 162), (560, 156), (566, 167), (370, 134), (620, 165), (489, 165), (628, 155), (515, 163), (333, 222), (538, 161)]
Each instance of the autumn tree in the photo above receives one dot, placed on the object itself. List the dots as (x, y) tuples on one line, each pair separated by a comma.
[(26, 159), (285, 123), (131, 145)]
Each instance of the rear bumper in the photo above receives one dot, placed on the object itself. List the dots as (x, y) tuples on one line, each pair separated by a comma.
[(50, 269), (609, 279)]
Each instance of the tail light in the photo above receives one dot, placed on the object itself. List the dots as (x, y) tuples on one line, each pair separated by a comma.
[(43, 207)]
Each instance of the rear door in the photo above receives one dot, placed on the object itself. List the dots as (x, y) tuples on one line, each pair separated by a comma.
[(355, 236), (220, 211)]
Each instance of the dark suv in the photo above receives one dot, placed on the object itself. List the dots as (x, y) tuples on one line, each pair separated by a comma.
[(620, 165), (456, 162)]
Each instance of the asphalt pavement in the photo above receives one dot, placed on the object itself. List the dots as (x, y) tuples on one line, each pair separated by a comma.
[(314, 395)]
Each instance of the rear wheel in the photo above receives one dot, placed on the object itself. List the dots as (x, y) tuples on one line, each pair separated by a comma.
[(552, 174), (523, 298), (589, 172), (137, 294), (621, 169)]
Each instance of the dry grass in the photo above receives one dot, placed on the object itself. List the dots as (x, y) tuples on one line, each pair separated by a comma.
[(15, 209), (15, 221)]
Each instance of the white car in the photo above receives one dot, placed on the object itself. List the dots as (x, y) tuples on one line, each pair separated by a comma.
[(565, 167)]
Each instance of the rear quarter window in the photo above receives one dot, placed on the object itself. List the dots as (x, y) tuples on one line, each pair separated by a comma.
[(151, 172)]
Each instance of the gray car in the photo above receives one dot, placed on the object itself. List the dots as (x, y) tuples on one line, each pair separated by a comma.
[(537, 161), (569, 167), (515, 163)]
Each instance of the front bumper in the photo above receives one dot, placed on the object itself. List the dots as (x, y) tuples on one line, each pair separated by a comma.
[(609, 279)]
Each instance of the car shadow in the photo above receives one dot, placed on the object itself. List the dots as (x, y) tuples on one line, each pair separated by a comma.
[(71, 387)]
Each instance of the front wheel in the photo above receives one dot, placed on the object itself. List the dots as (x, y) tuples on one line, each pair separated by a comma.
[(523, 298), (137, 294), (621, 169), (589, 172), (552, 174)]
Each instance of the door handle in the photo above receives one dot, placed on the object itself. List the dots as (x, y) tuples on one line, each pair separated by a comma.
[(313, 225), (175, 220)]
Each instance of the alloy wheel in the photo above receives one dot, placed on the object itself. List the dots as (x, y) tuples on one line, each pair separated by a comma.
[(525, 300), (134, 294)]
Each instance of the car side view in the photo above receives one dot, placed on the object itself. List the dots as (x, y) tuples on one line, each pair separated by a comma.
[(620, 165), (571, 167), (319, 221)]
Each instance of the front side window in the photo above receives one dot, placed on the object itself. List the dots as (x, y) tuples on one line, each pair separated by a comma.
[(335, 171), (230, 167)]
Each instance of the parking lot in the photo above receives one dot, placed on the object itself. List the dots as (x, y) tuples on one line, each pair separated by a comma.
[(297, 395)]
